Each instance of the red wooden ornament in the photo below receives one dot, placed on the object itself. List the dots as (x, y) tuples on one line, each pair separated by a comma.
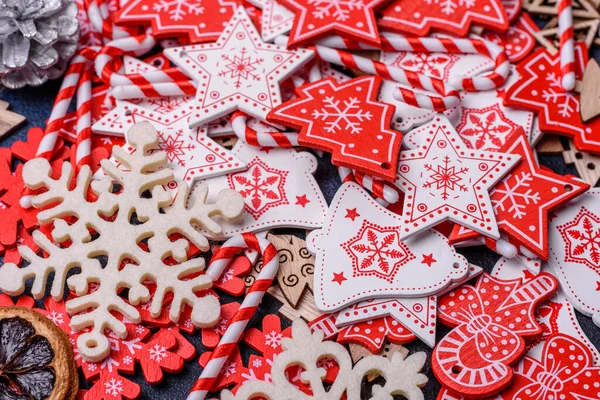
[(347, 120), (419, 17), (372, 334), (491, 321)]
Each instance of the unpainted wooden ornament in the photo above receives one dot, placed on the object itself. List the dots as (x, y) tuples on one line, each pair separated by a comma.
[(550, 145), (585, 31), (589, 102), (588, 165), (9, 120), (587, 9)]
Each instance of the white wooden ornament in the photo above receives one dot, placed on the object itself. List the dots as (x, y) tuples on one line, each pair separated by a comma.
[(359, 255), (238, 71), (402, 375), (574, 252), (278, 188), (128, 265), (419, 315), (444, 180), (275, 20)]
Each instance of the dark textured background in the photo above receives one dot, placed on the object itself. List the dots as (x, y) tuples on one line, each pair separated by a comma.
[(36, 104)]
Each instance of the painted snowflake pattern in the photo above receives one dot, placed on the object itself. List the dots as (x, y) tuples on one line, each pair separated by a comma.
[(262, 187), (241, 67), (273, 339), (435, 65), (158, 353), (114, 387), (175, 146), (449, 7), (445, 177), (257, 363), (165, 105), (229, 369), (514, 194), (127, 360), (377, 251), (582, 239), (568, 104), (485, 128), (56, 317), (178, 9), (349, 116), (338, 9)]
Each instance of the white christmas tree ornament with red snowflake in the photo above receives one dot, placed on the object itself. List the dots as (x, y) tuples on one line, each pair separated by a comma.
[(278, 187), (360, 255)]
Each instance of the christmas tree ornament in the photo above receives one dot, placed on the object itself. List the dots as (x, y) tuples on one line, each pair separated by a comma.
[(443, 180), (239, 71), (487, 336), (37, 40), (359, 255), (37, 361), (160, 216), (574, 254)]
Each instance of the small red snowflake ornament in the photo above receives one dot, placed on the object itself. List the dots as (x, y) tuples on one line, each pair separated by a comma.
[(351, 19), (198, 20), (491, 321), (419, 17), (539, 89), (523, 200), (239, 71), (347, 120)]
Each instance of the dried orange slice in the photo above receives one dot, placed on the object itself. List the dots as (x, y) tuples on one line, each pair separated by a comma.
[(36, 359)]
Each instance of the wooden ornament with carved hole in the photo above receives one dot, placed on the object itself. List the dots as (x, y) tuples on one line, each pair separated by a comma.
[(588, 165)]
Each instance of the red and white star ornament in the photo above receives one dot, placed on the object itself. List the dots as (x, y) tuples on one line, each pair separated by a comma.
[(419, 17), (555, 316), (360, 256), (197, 20), (347, 120), (418, 315), (351, 19), (237, 72), (192, 154), (278, 187), (444, 180), (523, 200), (574, 252), (539, 89), (276, 20)]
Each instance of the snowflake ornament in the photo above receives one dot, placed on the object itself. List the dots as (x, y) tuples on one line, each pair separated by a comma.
[(200, 20), (347, 120), (443, 180), (525, 197), (239, 71), (539, 89), (105, 227), (351, 19), (419, 17)]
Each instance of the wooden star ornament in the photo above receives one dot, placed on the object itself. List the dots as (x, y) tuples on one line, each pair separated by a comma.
[(347, 120), (444, 180), (238, 72)]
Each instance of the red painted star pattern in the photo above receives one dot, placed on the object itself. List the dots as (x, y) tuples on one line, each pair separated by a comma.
[(347, 120), (339, 278), (302, 201), (352, 19), (200, 20), (351, 213), (428, 259), (419, 17)]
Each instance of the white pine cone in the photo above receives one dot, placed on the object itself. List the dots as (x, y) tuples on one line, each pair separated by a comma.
[(37, 39)]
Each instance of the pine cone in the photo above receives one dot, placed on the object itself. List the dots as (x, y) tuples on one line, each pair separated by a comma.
[(37, 39)]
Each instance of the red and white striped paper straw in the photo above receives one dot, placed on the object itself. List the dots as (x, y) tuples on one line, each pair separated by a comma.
[(272, 138), (378, 187), (394, 42), (83, 140), (448, 95), (235, 330), (567, 44)]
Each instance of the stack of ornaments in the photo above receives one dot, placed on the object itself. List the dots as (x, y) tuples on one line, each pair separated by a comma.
[(339, 156)]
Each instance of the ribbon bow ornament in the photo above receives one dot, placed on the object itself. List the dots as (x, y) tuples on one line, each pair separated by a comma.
[(491, 321)]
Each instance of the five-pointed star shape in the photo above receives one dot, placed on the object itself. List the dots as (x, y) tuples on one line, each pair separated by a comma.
[(275, 20), (428, 259), (200, 20), (351, 19), (523, 199), (302, 201), (444, 180), (239, 71), (339, 278), (347, 120), (192, 154), (351, 213)]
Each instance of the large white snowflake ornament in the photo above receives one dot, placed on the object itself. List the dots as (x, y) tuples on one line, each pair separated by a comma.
[(120, 240)]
